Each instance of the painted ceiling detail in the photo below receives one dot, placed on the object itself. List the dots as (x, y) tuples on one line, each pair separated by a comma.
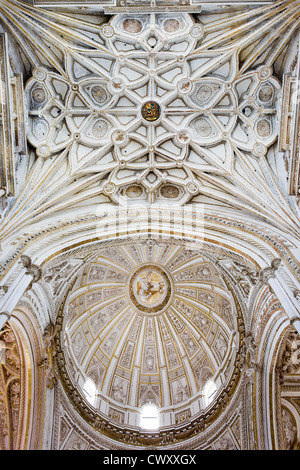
[(134, 354), (150, 110)]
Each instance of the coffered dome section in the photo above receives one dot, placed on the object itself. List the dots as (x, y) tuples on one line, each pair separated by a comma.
[(145, 323)]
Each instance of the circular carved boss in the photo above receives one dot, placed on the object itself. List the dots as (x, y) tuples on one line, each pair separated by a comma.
[(151, 111), (150, 289)]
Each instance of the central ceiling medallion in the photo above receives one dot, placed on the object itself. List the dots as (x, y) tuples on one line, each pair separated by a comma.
[(150, 289), (151, 111)]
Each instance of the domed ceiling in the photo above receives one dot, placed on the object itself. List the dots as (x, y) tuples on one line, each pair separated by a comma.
[(149, 322)]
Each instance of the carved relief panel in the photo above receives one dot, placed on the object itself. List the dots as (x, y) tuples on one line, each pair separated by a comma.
[(11, 390)]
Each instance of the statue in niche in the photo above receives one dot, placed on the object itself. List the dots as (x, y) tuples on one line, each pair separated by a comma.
[(49, 361)]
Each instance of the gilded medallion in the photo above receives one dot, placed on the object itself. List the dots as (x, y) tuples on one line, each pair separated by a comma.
[(151, 111), (150, 289)]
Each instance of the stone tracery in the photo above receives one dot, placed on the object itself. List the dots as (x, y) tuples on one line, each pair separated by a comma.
[(203, 108)]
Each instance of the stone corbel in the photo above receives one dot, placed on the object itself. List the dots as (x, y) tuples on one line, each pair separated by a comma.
[(32, 270)]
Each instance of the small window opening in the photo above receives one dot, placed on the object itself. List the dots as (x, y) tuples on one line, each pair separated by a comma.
[(210, 389), (149, 417)]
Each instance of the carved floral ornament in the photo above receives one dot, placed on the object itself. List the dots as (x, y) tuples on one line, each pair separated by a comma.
[(151, 112)]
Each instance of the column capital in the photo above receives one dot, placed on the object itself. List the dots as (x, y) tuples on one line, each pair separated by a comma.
[(32, 269)]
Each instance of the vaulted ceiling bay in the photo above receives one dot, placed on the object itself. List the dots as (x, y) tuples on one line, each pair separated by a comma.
[(149, 263)]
